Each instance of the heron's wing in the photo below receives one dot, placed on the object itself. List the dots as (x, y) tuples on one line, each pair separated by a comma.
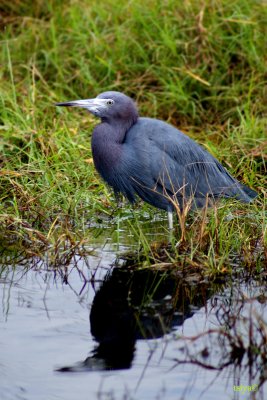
[(182, 167), (159, 158)]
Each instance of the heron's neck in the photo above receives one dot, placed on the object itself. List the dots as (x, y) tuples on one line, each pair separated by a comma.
[(107, 141), (105, 134), (116, 129)]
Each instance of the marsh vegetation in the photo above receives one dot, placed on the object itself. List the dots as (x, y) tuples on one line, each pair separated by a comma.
[(200, 66)]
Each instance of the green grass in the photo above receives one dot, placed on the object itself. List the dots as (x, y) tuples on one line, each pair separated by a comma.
[(202, 68)]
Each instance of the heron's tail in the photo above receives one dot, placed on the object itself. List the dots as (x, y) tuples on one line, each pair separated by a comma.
[(249, 192)]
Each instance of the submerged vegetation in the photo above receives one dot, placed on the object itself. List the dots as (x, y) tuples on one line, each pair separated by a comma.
[(201, 67)]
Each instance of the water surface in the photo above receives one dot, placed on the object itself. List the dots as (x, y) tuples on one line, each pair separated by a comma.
[(100, 331)]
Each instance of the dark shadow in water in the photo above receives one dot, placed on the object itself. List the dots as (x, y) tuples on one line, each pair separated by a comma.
[(137, 304)]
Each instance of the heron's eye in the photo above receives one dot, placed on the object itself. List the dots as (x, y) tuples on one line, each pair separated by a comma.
[(110, 102)]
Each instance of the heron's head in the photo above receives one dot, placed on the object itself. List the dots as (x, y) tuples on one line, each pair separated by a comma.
[(109, 106)]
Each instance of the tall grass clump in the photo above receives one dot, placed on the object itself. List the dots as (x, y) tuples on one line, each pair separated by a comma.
[(199, 65)]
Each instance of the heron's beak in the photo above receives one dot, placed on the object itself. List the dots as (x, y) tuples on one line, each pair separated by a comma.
[(92, 105)]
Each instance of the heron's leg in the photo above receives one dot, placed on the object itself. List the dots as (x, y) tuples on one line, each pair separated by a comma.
[(170, 219)]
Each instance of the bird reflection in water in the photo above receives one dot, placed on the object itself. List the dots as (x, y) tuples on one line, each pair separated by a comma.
[(137, 304)]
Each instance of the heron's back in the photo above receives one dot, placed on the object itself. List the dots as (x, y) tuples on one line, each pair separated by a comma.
[(160, 158)]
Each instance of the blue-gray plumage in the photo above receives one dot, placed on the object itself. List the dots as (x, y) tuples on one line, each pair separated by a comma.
[(152, 159)]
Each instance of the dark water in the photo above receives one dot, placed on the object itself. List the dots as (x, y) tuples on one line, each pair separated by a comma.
[(99, 331)]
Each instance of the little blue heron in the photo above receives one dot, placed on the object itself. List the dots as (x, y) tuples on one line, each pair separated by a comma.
[(152, 159)]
